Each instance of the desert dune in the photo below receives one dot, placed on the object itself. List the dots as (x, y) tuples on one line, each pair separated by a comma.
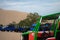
[(8, 16)]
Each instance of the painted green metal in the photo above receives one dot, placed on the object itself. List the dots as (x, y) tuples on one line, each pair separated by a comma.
[(36, 28), (57, 22), (56, 28), (39, 23)]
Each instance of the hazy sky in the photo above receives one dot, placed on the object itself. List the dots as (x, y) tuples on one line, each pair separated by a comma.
[(43, 7)]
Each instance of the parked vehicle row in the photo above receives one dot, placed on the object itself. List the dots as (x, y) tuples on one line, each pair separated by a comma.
[(20, 29), (13, 29), (0, 28)]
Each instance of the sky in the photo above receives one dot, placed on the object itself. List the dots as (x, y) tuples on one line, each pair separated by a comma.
[(43, 7)]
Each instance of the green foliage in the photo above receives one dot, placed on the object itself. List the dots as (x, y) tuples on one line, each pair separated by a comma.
[(31, 18), (14, 24), (1, 25)]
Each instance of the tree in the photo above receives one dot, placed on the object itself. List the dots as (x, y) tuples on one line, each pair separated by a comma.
[(31, 18), (13, 24)]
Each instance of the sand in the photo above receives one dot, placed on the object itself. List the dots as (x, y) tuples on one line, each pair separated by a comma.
[(9, 16), (10, 36)]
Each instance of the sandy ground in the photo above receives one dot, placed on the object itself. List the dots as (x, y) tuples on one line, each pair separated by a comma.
[(9, 16), (10, 36)]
